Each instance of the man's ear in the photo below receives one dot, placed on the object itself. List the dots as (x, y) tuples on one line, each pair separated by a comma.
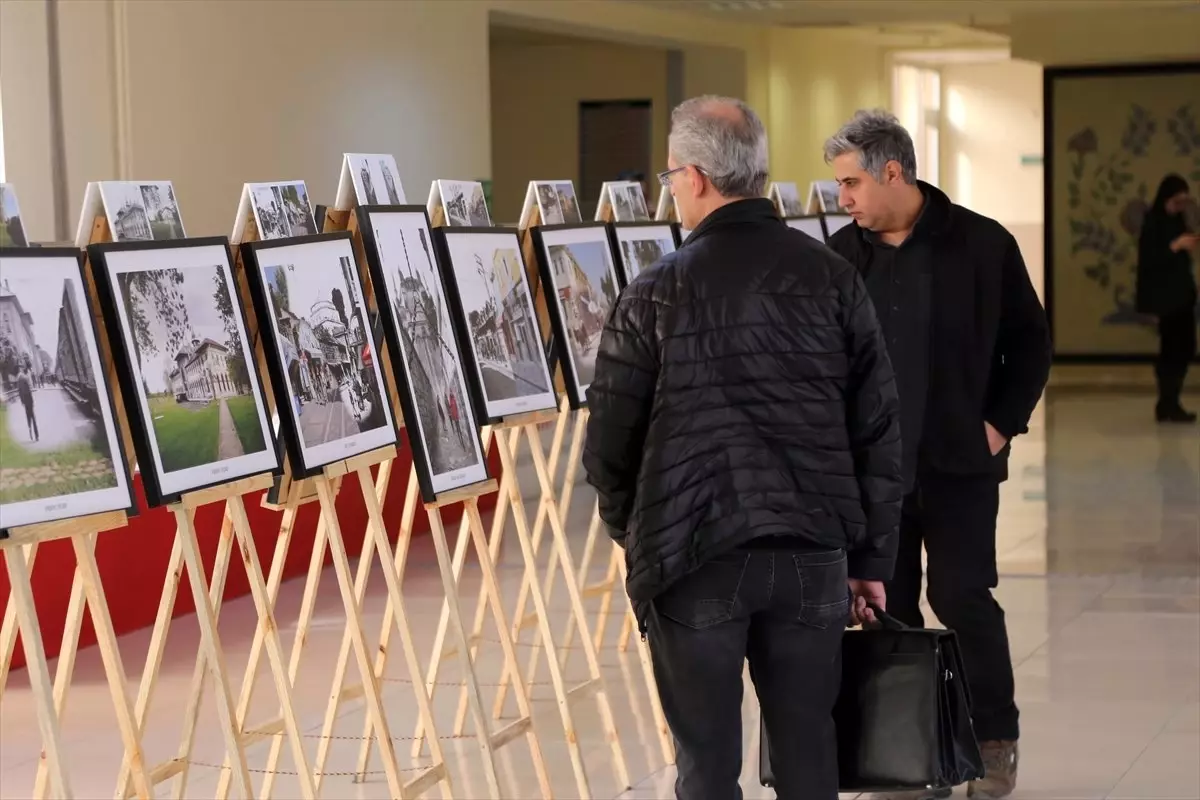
[(893, 172)]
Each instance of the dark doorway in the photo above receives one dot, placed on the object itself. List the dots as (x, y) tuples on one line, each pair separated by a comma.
[(614, 138)]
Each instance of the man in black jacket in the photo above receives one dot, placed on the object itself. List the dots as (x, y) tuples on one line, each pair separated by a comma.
[(745, 447), (971, 348)]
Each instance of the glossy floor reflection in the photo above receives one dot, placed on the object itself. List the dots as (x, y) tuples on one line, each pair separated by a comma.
[(1099, 549)]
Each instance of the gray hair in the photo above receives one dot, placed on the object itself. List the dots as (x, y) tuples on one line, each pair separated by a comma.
[(726, 140), (878, 137)]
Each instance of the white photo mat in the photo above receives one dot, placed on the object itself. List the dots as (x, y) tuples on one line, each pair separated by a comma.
[(463, 249), (326, 255), (394, 233), (52, 272), (171, 483)]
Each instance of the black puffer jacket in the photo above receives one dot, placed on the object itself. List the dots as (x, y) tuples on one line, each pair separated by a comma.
[(743, 389)]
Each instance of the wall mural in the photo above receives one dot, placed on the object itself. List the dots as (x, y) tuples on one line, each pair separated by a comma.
[(1113, 134)]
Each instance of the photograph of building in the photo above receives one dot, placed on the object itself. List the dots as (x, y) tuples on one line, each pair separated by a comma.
[(429, 350), (187, 341), (567, 202), (142, 211), (321, 333), (162, 210), (376, 179), (548, 205), (12, 232), (465, 204), (586, 288), (281, 210), (497, 305), (53, 435), (642, 246)]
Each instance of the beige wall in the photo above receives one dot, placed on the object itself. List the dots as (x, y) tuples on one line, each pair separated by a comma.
[(536, 91), (26, 97), (1107, 37)]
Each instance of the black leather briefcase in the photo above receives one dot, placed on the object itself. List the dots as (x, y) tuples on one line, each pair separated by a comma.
[(903, 714)]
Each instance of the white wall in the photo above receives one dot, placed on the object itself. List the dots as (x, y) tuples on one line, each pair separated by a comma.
[(991, 116)]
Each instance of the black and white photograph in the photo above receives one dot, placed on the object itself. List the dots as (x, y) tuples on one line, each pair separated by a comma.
[(376, 179), (464, 204), (497, 311), (628, 202), (810, 224), (548, 206), (823, 198), (282, 210), (422, 340), (642, 245), (787, 199), (12, 230), (60, 451), (188, 375), (142, 212), (577, 264), (568, 203), (324, 366)]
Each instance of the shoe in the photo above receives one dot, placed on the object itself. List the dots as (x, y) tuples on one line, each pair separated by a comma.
[(999, 771), (1175, 415)]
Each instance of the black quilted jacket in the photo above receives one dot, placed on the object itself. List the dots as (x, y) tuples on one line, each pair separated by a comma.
[(743, 389)]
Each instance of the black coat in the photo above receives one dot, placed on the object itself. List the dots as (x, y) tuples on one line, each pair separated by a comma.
[(1166, 282), (743, 389), (990, 343)]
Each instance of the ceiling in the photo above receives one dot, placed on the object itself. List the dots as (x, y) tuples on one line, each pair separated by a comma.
[(987, 14)]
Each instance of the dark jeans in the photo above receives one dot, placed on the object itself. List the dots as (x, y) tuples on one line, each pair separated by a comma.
[(955, 519), (783, 610), (1177, 347)]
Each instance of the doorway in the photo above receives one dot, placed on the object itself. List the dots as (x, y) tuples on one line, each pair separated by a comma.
[(614, 139)]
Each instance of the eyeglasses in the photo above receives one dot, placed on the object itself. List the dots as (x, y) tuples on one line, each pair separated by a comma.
[(665, 177)]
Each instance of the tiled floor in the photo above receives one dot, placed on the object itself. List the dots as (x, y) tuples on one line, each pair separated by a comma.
[(1099, 548)]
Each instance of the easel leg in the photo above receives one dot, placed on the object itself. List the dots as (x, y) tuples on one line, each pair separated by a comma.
[(210, 644), (396, 597), (64, 671), (482, 732), (39, 674), (585, 569), (341, 565), (266, 615), (8, 630)]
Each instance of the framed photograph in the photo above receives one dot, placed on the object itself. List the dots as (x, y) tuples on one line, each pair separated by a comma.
[(374, 178), (282, 210), (786, 196), (329, 392), (12, 231), (60, 448), (464, 203), (417, 323), (192, 394), (640, 245), (808, 223), (835, 222), (490, 293), (577, 268)]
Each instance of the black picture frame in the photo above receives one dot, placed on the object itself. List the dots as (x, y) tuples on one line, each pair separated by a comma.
[(847, 220), (285, 411), (820, 220), (575, 398), (615, 242), (121, 465), (106, 291), (389, 334), (462, 325), (1050, 76)]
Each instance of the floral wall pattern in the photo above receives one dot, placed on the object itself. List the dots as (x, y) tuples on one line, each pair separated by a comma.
[(1115, 136)]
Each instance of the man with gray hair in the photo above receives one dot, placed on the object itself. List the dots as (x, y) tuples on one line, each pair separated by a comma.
[(745, 447), (971, 348)]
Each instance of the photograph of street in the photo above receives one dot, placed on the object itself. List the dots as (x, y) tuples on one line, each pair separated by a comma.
[(567, 202), (548, 206), (585, 284), (57, 436), (187, 341), (787, 199), (464, 203), (12, 232), (622, 210), (489, 275), (429, 350), (642, 246), (281, 210), (376, 179), (325, 349), (142, 211)]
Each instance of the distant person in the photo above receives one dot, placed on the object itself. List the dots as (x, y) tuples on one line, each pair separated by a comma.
[(25, 381), (1166, 288), (744, 443), (970, 344)]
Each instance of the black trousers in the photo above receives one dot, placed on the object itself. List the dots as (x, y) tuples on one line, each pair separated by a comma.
[(955, 519), (1177, 348), (786, 612)]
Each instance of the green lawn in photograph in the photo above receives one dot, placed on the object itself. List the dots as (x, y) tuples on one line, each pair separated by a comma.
[(165, 230), (245, 420), (27, 474), (187, 436)]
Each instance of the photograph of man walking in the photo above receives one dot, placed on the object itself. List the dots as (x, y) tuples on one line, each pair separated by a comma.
[(744, 441), (970, 345)]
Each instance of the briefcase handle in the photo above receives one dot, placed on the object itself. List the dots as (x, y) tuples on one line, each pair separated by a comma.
[(885, 620)]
